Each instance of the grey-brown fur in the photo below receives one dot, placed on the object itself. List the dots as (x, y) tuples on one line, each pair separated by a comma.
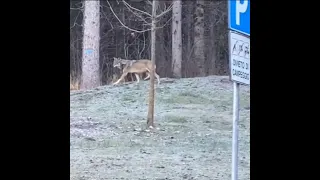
[(134, 66)]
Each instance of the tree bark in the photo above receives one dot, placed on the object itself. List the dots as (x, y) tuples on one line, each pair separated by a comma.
[(199, 43), (212, 58), (176, 39), (150, 117), (91, 37), (188, 69)]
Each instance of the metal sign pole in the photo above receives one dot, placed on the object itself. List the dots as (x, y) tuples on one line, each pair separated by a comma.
[(239, 61), (236, 87), (234, 173)]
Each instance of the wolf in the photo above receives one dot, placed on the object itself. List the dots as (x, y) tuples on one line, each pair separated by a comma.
[(136, 67), (119, 62)]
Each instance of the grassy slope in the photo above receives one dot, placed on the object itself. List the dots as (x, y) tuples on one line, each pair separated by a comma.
[(194, 117)]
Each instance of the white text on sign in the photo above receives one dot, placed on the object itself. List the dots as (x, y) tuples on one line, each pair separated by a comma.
[(240, 58)]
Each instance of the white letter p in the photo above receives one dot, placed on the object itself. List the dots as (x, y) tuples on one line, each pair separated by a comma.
[(240, 8)]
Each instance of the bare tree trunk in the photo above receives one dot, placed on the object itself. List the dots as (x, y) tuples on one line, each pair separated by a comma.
[(212, 55), (176, 39), (150, 117), (188, 68), (199, 43), (91, 37)]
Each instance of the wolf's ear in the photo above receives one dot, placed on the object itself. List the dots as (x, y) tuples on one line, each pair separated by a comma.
[(114, 58)]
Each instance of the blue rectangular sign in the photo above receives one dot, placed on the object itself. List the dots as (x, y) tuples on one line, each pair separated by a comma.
[(239, 16)]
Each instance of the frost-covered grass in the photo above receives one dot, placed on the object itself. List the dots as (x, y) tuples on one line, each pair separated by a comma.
[(193, 139)]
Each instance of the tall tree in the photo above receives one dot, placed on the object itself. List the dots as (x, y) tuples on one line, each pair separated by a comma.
[(176, 39), (211, 47), (199, 43), (91, 37), (150, 117)]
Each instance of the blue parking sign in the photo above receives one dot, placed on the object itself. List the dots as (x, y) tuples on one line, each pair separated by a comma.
[(239, 16)]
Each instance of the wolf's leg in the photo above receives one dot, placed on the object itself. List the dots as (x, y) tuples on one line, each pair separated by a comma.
[(157, 76), (148, 75), (122, 76), (138, 78)]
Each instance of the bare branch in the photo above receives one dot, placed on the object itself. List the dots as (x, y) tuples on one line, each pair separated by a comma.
[(77, 9), (144, 46), (138, 15), (149, 2), (128, 5), (164, 24), (138, 31), (166, 11), (75, 25), (146, 24), (75, 21), (102, 12)]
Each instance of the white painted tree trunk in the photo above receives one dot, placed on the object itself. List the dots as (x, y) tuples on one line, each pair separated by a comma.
[(91, 40), (150, 117), (176, 39)]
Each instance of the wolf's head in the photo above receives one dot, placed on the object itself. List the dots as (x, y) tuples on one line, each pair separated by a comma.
[(116, 62)]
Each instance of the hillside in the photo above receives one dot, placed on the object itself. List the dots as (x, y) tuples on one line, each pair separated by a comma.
[(193, 118)]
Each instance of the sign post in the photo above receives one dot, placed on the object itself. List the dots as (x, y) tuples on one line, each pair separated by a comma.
[(239, 60)]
